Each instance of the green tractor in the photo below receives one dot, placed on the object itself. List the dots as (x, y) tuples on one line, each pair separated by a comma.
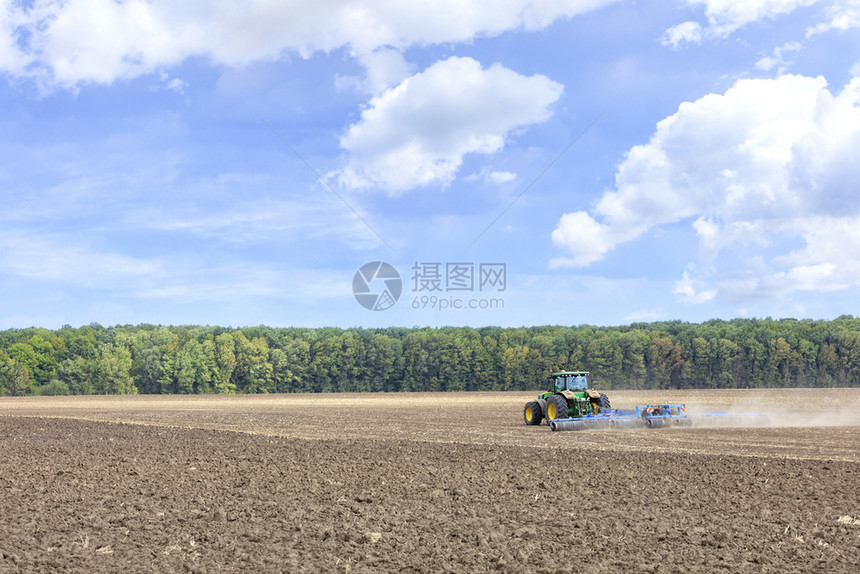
[(570, 397)]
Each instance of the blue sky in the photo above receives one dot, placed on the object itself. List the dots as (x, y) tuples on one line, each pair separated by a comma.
[(625, 161)]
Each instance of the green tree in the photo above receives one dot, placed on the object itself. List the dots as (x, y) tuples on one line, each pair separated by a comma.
[(290, 366), (604, 360), (723, 353), (147, 370), (24, 354), (225, 363), (256, 373), (848, 349), (633, 371), (77, 373), (210, 376), (325, 363), (56, 387), (188, 372), (664, 363), (14, 377), (384, 363), (169, 366), (828, 365), (698, 368), (114, 371)]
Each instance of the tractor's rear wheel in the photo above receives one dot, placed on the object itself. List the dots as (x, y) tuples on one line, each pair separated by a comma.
[(556, 408), (604, 403), (532, 413)]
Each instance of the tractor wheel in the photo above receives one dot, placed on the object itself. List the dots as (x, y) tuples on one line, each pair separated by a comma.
[(604, 403), (532, 413), (556, 408)]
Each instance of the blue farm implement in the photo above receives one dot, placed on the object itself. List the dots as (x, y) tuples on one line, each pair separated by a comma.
[(650, 416), (572, 405)]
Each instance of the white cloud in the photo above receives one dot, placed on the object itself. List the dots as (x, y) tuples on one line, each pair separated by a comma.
[(100, 41), (12, 59), (726, 16), (258, 221), (175, 278), (708, 231), (177, 85), (60, 262), (384, 68), (684, 33), (417, 133), (844, 15), (588, 240), (777, 60), (487, 175), (830, 260), (771, 162), (692, 291), (165, 82), (500, 177)]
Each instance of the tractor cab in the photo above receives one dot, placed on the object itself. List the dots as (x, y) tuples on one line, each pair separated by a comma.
[(574, 381)]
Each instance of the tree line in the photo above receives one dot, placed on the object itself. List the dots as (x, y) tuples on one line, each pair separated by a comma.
[(126, 359)]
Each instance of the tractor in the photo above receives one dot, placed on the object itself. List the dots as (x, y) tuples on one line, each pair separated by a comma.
[(572, 406), (569, 397)]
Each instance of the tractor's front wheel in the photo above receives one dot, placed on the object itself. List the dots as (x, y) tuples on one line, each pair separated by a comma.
[(532, 413), (556, 408)]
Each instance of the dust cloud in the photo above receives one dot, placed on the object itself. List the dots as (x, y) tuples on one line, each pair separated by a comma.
[(777, 416)]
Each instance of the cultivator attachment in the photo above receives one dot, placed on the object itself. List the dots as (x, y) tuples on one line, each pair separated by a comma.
[(656, 417), (650, 416)]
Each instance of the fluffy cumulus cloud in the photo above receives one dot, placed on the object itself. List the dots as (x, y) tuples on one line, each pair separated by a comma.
[(417, 133), (771, 162), (74, 42)]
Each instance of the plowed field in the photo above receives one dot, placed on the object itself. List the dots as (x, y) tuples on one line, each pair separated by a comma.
[(424, 483)]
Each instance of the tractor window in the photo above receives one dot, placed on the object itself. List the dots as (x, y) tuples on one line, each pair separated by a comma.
[(578, 383), (571, 383)]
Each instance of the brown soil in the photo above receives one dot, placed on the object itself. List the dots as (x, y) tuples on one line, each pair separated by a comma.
[(415, 483)]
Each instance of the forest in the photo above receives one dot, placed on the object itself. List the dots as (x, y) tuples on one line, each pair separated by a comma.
[(127, 359)]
